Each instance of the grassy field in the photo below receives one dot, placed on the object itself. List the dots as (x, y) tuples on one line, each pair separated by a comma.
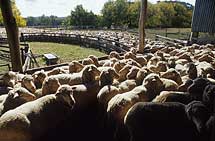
[(178, 33), (65, 52)]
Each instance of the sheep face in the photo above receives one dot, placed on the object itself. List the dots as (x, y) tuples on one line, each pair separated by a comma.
[(133, 73), (173, 75), (153, 84), (209, 96), (95, 60), (50, 86), (9, 79), (196, 89), (192, 71), (89, 74), (107, 77), (129, 55), (65, 94), (28, 83), (118, 66), (39, 77), (22, 93), (152, 80), (87, 61), (198, 113), (114, 54), (123, 72), (75, 66)]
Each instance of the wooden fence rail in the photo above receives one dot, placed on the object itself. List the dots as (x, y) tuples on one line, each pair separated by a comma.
[(102, 44), (174, 42)]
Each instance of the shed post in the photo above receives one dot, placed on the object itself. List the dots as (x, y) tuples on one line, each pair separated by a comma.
[(12, 34), (142, 22)]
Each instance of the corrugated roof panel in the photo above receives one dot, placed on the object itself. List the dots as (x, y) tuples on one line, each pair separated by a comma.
[(204, 16)]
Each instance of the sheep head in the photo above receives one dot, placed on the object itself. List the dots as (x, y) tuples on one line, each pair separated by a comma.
[(132, 73), (28, 83), (87, 61), (39, 77), (95, 60), (9, 79), (192, 71), (65, 94), (17, 97), (199, 114), (173, 75), (114, 54), (90, 73), (153, 84), (107, 77), (75, 66), (50, 85)]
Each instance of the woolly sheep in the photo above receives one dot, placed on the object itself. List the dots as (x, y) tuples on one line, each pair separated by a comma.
[(87, 61), (88, 73), (154, 85), (34, 118), (95, 60), (107, 77), (169, 85), (50, 85), (38, 78), (15, 98), (114, 54), (196, 89), (120, 103), (9, 79), (173, 75), (75, 67), (56, 71), (160, 121), (173, 96), (28, 83)]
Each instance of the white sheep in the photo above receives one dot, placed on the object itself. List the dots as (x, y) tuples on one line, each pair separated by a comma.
[(15, 98), (32, 119)]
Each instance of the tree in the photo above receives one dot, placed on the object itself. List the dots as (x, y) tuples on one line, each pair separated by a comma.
[(81, 17), (133, 14), (182, 17), (107, 14), (153, 16), (115, 13), (166, 13)]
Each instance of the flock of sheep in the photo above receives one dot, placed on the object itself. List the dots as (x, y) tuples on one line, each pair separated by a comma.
[(167, 94)]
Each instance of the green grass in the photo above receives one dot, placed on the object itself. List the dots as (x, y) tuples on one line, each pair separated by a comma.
[(180, 33), (65, 52)]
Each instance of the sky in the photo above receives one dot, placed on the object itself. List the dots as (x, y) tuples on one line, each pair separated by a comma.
[(61, 8)]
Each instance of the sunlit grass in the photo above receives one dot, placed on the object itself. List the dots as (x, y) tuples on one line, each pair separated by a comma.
[(65, 52)]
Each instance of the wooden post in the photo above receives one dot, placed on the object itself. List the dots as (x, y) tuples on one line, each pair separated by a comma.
[(12, 34), (142, 22)]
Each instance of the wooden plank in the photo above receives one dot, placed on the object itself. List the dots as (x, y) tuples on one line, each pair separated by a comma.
[(142, 22), (12, 34)]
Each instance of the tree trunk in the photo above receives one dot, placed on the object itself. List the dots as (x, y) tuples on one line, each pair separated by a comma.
[(142, 22), (12, 34)]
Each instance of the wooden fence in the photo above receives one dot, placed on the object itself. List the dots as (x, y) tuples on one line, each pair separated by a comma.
[(174, 42), (102, 44), (25, 51)]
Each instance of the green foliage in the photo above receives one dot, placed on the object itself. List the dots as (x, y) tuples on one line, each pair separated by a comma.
[(162, 14), (43, 20), (21, 22), (81, 17)]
